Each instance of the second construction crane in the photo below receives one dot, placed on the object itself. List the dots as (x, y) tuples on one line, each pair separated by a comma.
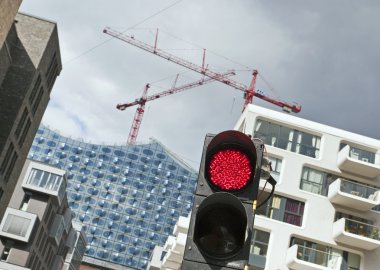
[(144, 98), (249, 91)]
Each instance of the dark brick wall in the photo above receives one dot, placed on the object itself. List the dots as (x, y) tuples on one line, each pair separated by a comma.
[(32, 43)]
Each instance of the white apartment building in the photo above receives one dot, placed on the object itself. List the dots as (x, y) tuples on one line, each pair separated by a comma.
[(322, 215)]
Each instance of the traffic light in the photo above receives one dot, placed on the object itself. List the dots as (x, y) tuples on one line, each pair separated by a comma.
[(221, 222)]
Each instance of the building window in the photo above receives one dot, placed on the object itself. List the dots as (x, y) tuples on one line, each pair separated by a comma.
[(25, 202), (282, 209), (4, 255), (24, 133), (32, 257), (39, 238), (38, 99), (316, 181), (52, 71), (288, 139), (43, 179), (21, 122), (259, 248), (48, 213), (7, 158), (33, 93), (11, 165), (276, 165), (1, 193)]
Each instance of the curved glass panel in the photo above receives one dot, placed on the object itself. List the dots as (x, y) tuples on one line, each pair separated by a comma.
[(127, 197)]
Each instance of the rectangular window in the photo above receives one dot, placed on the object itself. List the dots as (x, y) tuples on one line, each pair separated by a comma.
[(7, 157), (288, 139), (316, 181), (44, 249), (21, 122), (44, 241), (282, 209), (39, 238), (36, 261), (276, 164), (48, 213), (259, 248), (25, 202), (1, 193), (33, 93), (24, 133), (11, 165), (51, 259), (4, 255), (52, 71), (43, 179), (32, 257), (38, 100)]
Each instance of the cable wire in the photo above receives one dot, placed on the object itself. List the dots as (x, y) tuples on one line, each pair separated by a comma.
[(131, 27)]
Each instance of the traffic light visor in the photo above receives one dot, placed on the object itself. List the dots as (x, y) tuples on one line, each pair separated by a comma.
[(230, 161)]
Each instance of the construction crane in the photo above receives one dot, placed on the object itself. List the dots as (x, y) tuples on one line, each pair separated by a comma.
[(145, 98), (249, 91)]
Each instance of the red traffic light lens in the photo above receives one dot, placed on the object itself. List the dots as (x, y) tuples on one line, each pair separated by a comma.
[(230, 169)]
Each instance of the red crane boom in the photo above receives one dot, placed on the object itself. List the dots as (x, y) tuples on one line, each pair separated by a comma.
[(249, 92), (145, 98)]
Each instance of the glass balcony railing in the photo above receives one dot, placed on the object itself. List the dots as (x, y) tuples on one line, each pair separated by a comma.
[(359, 190), (362, 229), (359, 162), (365, 156), (318, 257)]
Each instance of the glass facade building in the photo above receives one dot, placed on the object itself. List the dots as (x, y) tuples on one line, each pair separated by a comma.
[(128, 198)]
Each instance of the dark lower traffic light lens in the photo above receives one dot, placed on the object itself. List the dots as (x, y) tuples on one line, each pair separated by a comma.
[(220, 226)]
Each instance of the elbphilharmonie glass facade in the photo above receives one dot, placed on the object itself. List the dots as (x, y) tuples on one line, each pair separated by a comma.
[(127, 197)]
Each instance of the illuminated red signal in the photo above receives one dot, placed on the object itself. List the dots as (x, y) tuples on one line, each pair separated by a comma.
[(230, 169)]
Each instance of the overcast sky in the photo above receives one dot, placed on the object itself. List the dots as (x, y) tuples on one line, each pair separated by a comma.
[(322, 54)]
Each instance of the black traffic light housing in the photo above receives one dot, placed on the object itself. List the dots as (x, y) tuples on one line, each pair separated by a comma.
[(222, 218)]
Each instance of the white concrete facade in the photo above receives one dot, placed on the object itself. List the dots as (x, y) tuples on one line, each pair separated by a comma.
[(318, 222)]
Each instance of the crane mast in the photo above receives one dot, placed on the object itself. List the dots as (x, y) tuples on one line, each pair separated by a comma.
[(145, 98), (249, 92)]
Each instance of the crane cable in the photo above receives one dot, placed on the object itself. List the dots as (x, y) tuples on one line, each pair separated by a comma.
[(131, 27)]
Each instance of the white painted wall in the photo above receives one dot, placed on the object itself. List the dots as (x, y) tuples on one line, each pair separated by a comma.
[(319, 212)]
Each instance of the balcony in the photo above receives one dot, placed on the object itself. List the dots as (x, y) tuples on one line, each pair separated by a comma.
[(356, 234), (40, 179), (359, 162), (17, 224), (304, 258), (353, 195)]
